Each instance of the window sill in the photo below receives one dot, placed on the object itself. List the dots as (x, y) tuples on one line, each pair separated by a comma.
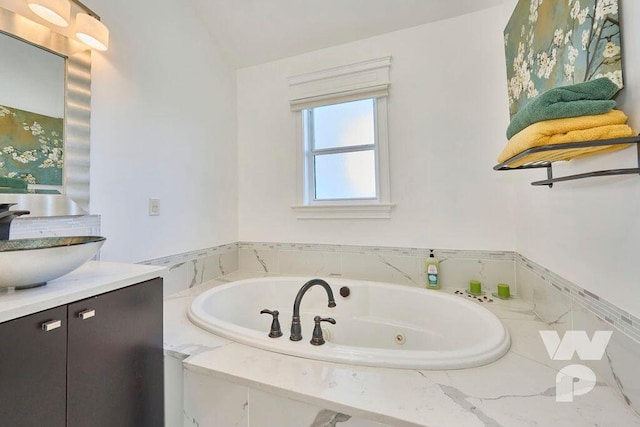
[(344, 211)]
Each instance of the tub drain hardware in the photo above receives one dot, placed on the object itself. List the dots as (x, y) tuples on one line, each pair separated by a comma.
[(400, 338)]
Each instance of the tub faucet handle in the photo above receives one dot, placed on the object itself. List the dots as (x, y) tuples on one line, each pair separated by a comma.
[(317, 338), (275, 331)]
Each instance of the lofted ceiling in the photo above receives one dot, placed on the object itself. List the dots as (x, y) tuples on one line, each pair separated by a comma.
[(253, 32)]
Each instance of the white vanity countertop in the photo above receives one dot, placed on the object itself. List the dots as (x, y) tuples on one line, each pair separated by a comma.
[(517, 390), (92, 278)]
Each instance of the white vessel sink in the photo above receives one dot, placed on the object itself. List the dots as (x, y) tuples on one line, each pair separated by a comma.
[(27, 263)]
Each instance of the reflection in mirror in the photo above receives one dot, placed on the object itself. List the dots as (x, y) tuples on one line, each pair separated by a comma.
[(41, 94), (31, 118)]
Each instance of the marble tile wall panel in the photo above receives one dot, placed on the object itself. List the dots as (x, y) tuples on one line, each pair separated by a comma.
[(258, 260), (456, 273), (309, 263), (210, 401), (386, 264), (382, 267), (619, 366), (551, 306), (213, 401), (173, 391), (189, 269), (564, 306), (268, 410), (536, 274)]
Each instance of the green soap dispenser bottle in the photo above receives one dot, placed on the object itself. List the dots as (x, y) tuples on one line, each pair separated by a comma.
[(433, 272)]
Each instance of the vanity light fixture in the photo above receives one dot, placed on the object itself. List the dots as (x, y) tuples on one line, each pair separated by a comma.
[(92, 32), (57, 12), (87, 26)]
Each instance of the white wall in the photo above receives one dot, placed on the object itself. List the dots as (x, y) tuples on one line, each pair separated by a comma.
[(589, 231), (447, 115), (162, 126)]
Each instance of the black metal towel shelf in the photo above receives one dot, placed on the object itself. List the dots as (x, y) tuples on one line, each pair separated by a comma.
[(504, 166)]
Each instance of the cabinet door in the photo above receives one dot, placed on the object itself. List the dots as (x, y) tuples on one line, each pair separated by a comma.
[(33, 364), (115, 360)]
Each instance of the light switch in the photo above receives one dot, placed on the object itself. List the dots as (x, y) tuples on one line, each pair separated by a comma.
[(154, 207)]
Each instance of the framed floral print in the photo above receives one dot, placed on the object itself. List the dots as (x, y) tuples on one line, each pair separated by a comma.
[(551, 43)]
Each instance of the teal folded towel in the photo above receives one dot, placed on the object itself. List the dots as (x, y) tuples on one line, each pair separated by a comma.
[(581, 99), (12, 183)]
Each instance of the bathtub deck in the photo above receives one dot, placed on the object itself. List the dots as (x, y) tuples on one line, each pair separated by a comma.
[(517, 390)]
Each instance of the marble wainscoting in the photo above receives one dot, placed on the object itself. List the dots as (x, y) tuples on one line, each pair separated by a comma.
[(564, 306), (405, 266), (26, 228), (189, 269)]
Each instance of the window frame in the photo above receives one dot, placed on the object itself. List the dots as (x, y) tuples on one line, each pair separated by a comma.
[(309, 207), (311, 153), (348, 82)]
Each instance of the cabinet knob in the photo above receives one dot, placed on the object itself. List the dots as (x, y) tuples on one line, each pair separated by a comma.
[(86, 314), (51, 325)]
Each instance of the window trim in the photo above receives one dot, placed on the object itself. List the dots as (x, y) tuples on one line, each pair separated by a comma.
[(351, 82), (311, 153), (379, 207)]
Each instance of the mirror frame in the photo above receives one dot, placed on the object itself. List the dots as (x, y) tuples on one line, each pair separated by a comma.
[(77, 114)]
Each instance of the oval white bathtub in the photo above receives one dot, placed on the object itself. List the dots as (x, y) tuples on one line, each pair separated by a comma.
[(378, 324)]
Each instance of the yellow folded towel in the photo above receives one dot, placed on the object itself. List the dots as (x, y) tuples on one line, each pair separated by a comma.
[(574, 129)]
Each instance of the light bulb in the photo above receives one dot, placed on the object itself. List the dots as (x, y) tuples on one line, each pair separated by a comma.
[(57, 12), (92, 32)]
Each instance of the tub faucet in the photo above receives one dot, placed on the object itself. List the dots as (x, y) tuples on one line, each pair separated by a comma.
[(296, 330), (6, 216)]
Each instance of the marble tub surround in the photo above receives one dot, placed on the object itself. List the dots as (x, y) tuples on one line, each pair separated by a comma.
[(404, 266), (231, 404), (565, 306), (533, 278), (517, 390), (181, 337), (193, 268)]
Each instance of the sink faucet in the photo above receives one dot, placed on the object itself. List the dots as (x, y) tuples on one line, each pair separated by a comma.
[(296, 330), (6, 216)]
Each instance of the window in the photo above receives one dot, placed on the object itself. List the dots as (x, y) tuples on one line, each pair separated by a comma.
[(342, 138), (340, 146)]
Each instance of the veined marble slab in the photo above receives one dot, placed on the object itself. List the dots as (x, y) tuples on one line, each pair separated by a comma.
[(517, 390)]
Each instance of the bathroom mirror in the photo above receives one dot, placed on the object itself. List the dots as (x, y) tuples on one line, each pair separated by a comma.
[(74, 59)]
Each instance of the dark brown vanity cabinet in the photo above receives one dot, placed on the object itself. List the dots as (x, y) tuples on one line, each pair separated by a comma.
[(99, 364), (33, 370)]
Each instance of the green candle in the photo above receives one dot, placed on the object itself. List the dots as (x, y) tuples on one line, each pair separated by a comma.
[(503, 290), (475, 287)]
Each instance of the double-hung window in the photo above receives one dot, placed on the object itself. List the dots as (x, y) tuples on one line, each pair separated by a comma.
[(342, 137), (340, 151)]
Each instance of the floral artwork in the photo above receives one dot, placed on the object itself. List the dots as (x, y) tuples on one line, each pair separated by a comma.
[(31, 146), (551, 43)]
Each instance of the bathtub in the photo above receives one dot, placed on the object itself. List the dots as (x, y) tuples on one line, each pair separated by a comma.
[(378, 324)]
